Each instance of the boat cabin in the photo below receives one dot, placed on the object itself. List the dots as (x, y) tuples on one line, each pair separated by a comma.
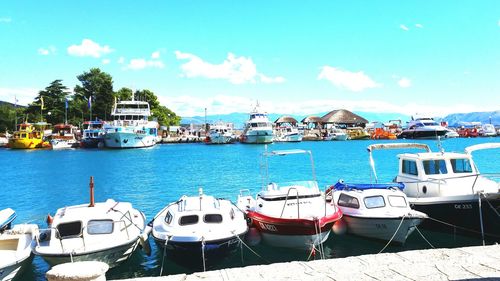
[(370, 198)]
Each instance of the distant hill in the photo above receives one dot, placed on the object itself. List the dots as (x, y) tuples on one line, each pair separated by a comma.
[(238, 119), (9, 104), (456, 119)]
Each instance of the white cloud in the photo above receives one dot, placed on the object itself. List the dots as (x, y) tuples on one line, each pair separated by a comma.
[(418, 25), (404, 27), (352, 81), (47, 51), (237, 70), (121, 60), (223, 104), (155, 55), (89, 48), (404, 82), (5, 20), (106, 61), (137, 64), (24, 96)]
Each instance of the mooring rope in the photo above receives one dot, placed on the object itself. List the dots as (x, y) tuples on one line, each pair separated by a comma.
[(418, 230), (394, 235), (203, 253), (248, 247), (164, 255)]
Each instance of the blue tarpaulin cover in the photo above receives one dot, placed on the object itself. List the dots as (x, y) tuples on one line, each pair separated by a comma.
[(361, 186)]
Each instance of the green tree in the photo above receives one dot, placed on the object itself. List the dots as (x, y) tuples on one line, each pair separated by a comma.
[(54, 97), (98, 86), (124, 94), (164, 115), (7, 116)]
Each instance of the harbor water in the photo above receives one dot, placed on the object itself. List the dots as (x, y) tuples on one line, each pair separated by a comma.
[(38, 182)]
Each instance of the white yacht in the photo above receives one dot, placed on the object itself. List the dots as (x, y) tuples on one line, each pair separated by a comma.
[(423, 128), (220, 133), (378, 211), (258, 128), (488, 130), (287, 134), (130, 127), (109, 232), (336, 134), (449, 188), (199, 229)]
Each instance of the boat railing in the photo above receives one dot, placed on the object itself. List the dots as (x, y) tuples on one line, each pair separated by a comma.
[(444, 181), (286, 200)]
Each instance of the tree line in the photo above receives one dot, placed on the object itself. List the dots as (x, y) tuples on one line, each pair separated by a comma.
[(93, 99)]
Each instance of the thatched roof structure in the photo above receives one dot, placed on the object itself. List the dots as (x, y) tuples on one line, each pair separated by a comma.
[(342, 116), (311, 119), (286, 119)]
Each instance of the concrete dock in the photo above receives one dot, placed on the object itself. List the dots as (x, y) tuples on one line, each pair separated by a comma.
[(468, 263)]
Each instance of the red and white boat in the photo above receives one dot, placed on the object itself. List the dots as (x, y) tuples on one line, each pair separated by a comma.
[(290, 214)]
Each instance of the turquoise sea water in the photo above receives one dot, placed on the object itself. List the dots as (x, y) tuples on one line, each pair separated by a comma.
[(37, 182)]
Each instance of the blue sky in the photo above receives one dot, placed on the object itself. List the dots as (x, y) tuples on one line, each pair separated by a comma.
[(300, 57)]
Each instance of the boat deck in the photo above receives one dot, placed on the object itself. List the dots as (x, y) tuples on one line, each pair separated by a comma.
[(479, 262)]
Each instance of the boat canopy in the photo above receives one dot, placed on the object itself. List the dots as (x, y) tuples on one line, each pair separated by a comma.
[(398, 146), (481, 146), (362, 186), (372, 147)]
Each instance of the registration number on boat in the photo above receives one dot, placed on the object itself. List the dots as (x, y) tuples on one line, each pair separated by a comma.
[(269, 227), (463, 206)]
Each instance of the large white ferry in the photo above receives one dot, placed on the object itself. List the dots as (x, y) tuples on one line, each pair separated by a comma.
[(130, 127), (258, 128)]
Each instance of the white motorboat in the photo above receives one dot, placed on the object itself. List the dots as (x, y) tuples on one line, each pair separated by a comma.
[(108, 232), (378, 211), (287, 134), (6, 217), (130, 127), (451, 134), (487, 130), (336, 134), (449, 188), (15, 250), (63, 137), (220, 133), (290, 214), (257, 129), (423, 128), (198, 229)]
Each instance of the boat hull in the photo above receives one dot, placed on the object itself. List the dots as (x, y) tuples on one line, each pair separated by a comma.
[(128, 140), (382, 228), (63, 144), (11, 271), (293, 233), (422, 134), (111, 256), (28, 144), (289, 138), (190, 253), (258, 138), (92, 142), (219, 139), (444, 215)]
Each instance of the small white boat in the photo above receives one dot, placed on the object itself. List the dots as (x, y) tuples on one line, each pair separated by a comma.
[(336, 134), (290, 214), (63, 137), (199, 228), (15, 250), (6, 218), (378, 211), (287, 134), (108, 232), (220, 133)]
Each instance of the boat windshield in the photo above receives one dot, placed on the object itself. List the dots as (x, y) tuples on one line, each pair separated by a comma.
[(397, 201), (435, 167), (461, 165), (69, 229), (374, 202)]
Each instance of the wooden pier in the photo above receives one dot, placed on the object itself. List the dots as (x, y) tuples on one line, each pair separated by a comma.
[(468, 263)]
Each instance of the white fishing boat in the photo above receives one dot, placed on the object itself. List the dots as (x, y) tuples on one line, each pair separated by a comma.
[(63, 137), (6, 217), (15, 250), (290, 214), (199, 229), (130, 127), (220, 133), (378, 211), (108, 232), (449, 188), (257, 129)]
